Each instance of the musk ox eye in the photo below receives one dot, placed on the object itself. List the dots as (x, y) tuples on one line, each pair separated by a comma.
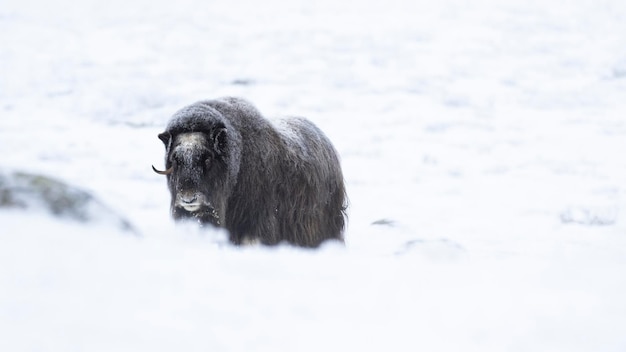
[(173, 160)]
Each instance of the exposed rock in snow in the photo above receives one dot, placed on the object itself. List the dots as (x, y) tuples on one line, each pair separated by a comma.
[(592, 216), (32, 192)]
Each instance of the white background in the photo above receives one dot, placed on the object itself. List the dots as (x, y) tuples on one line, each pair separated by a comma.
[(485, 139)]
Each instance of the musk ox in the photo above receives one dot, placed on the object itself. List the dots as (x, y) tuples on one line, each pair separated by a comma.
[(262, 181)]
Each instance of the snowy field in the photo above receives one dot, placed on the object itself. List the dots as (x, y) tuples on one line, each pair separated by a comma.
[(482, 144)]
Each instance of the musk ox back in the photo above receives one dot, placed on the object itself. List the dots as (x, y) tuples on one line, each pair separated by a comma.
[(228, 166)]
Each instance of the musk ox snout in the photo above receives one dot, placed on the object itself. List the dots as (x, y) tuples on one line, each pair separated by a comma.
[(191, 201), (194, 206)]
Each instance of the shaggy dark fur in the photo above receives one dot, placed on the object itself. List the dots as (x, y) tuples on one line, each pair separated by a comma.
[(264, 181)]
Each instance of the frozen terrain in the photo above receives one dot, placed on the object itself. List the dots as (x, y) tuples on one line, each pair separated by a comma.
[(482, 144)]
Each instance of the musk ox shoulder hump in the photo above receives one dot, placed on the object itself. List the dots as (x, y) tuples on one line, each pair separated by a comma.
[(291, 131)]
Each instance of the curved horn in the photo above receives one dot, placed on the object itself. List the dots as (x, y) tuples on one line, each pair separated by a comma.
[(166, 172)]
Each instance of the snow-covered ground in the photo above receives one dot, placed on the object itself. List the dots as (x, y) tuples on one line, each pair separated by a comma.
[(482, 144)]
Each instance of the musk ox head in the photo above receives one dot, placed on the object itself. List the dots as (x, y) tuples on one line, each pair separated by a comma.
[(197, 173)]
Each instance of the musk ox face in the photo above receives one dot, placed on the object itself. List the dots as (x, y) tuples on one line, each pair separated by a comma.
[(195, 170)]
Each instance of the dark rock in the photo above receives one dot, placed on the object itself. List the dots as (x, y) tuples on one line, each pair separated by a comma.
[(384, 222), (242, 82), (32, 192)]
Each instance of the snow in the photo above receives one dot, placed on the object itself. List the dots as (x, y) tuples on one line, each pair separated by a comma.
[(481, 144), (187, 142)]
